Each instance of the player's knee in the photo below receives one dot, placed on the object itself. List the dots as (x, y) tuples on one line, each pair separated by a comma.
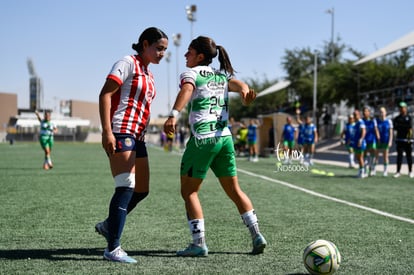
[(125, 180)]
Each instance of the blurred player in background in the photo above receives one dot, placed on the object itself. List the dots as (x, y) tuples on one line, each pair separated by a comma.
[(47, 130), (289, 135), (386, 132), (124, 107), (241, 140), (252, 139), (371, 137), (404, 139), (169, 144), (346, 138), (310, 137), (359, 144), (300, 129)]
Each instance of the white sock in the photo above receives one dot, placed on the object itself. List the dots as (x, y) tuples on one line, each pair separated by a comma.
[(352, 158), (250, 220), (197, 231)]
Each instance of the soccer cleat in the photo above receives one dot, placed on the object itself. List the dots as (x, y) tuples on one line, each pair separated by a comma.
[(194, 251), (385, 174), (397, 175), (259, 244), (102, 229), (361, 175), (411, 175), (118, 255)]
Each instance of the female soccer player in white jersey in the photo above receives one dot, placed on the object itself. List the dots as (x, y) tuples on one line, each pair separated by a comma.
[(210, 144), (47, 130), (124, 107)]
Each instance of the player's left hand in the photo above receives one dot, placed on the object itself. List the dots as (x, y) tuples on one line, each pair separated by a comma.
[(169, 125), (108, 143), (248, 97)]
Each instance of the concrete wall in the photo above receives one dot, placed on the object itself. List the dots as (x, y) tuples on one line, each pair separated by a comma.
[(86, 110), (8, 108), (278, 121)]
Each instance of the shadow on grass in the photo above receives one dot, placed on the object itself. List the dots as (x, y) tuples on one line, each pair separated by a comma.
[(67, 254), (85, 254), (169, 253)]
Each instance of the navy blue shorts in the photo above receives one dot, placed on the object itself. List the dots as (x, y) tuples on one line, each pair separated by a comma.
[(126, 142)]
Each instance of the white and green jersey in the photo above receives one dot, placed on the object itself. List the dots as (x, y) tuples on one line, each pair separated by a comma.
[(46, 128), (208, 108)]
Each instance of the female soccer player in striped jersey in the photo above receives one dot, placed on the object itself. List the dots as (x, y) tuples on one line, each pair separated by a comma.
[(124, 107), (211, 144)]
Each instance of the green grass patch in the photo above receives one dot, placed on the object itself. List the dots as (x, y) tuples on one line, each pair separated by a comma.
[(47, 217)]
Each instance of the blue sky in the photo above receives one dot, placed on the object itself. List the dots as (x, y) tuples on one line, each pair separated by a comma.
[(74, 43)]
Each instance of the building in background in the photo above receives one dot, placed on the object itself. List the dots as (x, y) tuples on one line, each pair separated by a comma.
[(82, 109), (8, 108), (75, 120)]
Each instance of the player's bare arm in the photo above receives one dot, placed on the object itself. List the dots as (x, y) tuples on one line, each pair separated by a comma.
[(108, 139), (247, 95)]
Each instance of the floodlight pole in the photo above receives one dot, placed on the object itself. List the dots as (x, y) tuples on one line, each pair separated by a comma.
[(332, 13), (315, 81), (168, 59), (191, 12), (177, 43)]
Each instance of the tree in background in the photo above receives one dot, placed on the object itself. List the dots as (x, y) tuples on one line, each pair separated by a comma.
[(338, 79)]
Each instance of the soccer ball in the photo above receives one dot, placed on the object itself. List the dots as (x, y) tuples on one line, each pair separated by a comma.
[(321, 257)]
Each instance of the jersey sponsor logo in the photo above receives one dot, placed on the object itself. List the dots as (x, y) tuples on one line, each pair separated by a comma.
[(214, 86), (205, 73)]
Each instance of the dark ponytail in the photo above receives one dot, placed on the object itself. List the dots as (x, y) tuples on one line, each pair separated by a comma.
[(152, 35), (225, 64), (208, 47)]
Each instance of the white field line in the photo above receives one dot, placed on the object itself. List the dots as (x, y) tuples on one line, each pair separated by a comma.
[(316, 194)]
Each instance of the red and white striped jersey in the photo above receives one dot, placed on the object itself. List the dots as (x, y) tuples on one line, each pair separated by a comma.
[(131, 104)]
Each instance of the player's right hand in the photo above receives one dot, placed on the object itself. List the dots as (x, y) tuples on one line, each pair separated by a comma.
[(108, 143)]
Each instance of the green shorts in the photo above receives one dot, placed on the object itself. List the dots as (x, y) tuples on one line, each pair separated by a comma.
[(289, 144), (252, 142), (371, 146), (215, 153), (46, 141), (349, 148), (359, 150), (383, 146)]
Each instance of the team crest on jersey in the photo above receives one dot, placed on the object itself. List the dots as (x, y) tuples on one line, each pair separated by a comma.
[(149, 95)]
